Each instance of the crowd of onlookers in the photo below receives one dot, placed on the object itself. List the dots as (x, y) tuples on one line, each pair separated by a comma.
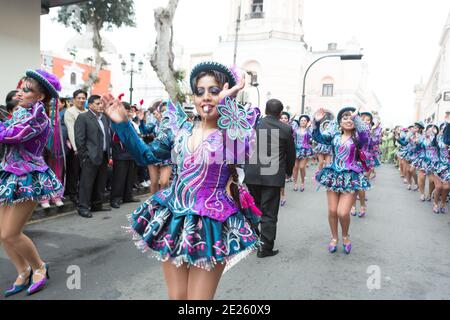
[(92, 161)]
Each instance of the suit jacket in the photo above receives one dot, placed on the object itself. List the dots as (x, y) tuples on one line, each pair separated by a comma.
[(89, 137), (272, 161)]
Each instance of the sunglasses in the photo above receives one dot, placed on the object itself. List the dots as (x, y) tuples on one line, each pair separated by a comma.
[(212, 90)]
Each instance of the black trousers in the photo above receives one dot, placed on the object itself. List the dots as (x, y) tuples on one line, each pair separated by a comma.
[(72, 174), (267, 199), (123, 180), (92, 183)]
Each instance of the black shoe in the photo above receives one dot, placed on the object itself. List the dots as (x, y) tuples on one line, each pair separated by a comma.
[(115, 204), (84, 214), (131, 200), (100, 209), (264, 253)]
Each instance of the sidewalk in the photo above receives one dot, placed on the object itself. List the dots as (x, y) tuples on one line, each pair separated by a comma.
[(70, 207)]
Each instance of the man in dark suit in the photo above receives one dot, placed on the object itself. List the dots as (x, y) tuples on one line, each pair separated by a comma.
[(266, 172), (92, 138), (124, 170)]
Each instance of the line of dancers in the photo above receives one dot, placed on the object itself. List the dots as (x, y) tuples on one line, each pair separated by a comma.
[(423, 154)]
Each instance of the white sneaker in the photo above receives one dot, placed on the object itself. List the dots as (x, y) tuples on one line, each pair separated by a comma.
[(59, 203), (144, 184), (45, 205)]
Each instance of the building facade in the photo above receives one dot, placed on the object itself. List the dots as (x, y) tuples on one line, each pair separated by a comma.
[(433, 98), (271, 51)]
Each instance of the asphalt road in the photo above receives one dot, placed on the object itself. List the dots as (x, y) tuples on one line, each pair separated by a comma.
[(401, 250)]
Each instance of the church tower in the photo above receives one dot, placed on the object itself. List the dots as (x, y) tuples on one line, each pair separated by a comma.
[(265, 39), (281, 19)]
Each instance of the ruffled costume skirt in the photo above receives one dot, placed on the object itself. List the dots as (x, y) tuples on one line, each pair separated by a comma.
[(36, 186), (193, 239), (347, 181), (322, 149), (304, 153)]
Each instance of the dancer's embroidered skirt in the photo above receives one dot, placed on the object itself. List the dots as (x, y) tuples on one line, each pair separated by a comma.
[(322, 149), (192, 239), (304, 153), (34, 186), (343, 182)]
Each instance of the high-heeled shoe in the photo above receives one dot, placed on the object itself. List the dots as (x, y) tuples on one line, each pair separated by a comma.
[(302, 187), (295, 187), (347, 247), (353, 211), (332, 248), (436, 209), (283, 202), (38, 286), (14, 289), (362, 212)]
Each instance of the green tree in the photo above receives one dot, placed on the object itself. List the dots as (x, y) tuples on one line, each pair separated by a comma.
[(97, 15)]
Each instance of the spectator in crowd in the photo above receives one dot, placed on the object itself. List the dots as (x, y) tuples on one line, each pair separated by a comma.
[(73, 161), (124, 170), (92, 138)]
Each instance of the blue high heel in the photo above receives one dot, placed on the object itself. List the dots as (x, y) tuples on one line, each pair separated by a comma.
[(347, 247), (14, 289), (38, 286), (332, 248)]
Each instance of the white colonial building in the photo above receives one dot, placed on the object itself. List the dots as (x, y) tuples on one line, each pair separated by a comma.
[(272, 51), (433, 97)]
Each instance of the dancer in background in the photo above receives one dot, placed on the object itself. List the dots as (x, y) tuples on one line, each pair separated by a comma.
[(323, 151), (25, 177), (304, 150), (344, 176)]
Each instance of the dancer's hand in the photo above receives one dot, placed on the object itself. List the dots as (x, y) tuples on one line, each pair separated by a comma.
[(114, 108), (140, 114), (319, 115), (227, 92)]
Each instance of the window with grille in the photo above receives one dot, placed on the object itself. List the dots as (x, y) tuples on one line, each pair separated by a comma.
[(327, 90)]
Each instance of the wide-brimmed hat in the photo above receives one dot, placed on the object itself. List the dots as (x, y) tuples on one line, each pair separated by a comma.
[(47, 80), (344, 110), (232, 78), (304, 116), (420, 124)]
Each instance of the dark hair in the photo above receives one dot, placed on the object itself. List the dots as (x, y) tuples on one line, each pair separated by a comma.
[(11, 105), (127, 106), (92, 98), (77, 92), (274, 107), (284, 113), (220, 78), (10, 96)]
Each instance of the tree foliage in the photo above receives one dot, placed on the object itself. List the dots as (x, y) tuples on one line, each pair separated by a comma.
[(99, 15)]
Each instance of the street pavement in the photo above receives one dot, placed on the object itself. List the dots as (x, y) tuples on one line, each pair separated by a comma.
[(401, 250)]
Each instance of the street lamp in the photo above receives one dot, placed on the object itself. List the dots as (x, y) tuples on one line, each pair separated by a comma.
[(132, 72), (342, 56)]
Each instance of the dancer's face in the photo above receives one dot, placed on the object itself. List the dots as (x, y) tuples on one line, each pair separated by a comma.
[(284, 119), (347, 122), (29, 94), (366, 120), (303, 122), (325, 126), (206, 98)]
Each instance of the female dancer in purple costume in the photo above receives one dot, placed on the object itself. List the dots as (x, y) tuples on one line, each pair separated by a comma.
[(195, 227), (345, 175), (25, 177), (323, 151), (304, 150)]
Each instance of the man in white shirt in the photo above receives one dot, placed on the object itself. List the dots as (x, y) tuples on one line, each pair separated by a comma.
[(73, 161)]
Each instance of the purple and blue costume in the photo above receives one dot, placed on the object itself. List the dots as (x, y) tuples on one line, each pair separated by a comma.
[(24, 175), (345, 174), (302, 140), (194, 220)]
